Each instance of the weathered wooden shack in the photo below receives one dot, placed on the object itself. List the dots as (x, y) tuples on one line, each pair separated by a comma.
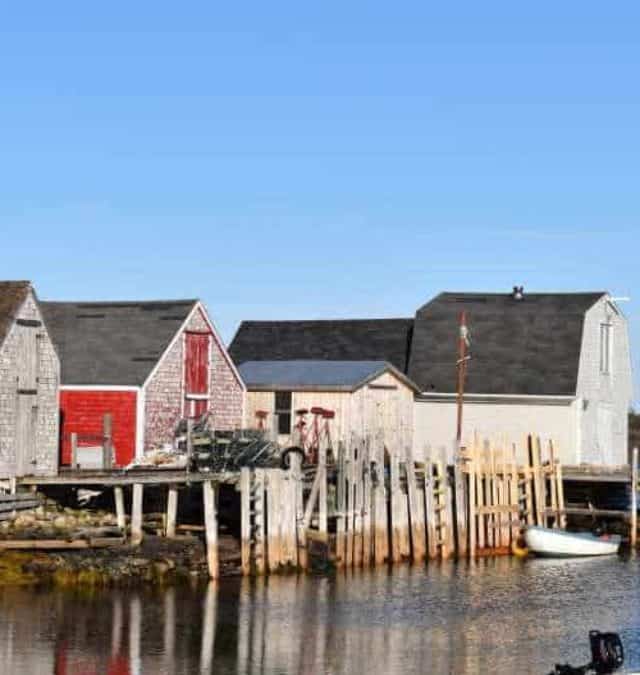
[(147, 364), (364, 396), (29, 379)]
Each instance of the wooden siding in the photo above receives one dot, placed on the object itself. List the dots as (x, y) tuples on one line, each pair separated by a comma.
[(385, 404)]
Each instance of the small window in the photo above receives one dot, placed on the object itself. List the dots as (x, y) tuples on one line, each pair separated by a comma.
[(605, 348), (283, 410)]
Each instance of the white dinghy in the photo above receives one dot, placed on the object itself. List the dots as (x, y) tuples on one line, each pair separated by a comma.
[(545, 541)]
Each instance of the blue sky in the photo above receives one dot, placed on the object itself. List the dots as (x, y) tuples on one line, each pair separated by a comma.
[(289, 160)]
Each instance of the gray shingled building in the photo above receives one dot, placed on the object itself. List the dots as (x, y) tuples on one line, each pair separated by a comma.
[(557, 364)]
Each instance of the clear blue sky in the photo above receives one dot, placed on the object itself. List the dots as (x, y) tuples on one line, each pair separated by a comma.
[(290, 160)]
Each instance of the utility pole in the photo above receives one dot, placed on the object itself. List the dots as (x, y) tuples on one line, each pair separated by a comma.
[(463, 344)]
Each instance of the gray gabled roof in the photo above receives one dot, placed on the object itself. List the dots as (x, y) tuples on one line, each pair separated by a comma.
[(526, 347), (303, 375), (336, 340), (112, 343), (12, 295)]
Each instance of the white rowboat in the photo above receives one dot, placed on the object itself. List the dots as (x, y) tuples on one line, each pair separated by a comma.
[(544, 541)]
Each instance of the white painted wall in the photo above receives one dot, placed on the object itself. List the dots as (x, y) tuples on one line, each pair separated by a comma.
[(435, 423), (607, 397)]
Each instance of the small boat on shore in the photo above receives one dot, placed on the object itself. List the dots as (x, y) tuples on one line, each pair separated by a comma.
[(544, 541)]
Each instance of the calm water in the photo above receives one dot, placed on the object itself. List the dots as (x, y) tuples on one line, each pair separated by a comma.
[(494, 616)]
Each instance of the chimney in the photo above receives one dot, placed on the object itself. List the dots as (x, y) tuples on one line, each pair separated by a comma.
[(518, 293)]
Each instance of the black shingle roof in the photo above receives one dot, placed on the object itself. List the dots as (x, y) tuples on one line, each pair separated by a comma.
[(112, 343), (527, 347), (336, 340)]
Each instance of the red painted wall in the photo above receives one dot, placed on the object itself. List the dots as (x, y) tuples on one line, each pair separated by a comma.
[(82, 413)]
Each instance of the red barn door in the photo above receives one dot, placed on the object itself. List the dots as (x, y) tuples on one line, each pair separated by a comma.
[(196, 374)]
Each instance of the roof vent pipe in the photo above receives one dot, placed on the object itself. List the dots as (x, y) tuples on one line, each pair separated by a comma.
[(518, 292)]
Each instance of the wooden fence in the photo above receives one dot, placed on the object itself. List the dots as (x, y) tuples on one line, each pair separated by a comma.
[(371, 505)]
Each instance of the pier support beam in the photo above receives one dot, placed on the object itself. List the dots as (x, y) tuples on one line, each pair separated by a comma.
[(136, 515), (172, 510), (118, 495), (634, 498), (245, 519), (211, 525)]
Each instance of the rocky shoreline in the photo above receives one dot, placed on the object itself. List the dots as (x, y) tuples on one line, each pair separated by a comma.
[(157, 560)]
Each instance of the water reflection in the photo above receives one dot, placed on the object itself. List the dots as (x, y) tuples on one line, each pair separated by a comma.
[(484, 616)]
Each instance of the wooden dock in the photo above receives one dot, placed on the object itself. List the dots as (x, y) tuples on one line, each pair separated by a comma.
[(369, 501)]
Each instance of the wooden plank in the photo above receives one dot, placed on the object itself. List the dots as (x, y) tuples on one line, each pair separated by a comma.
[(449, 550), (211, 524), (136, 515), (416, 514), (634, 498), (245, 520)]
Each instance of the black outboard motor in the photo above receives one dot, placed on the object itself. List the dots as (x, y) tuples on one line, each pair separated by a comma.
[(607, 655)]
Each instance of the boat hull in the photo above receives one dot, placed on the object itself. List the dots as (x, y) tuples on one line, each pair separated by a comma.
[(546, 542)]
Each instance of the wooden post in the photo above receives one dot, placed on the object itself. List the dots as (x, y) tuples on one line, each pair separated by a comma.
[(430, 505), (381, 534), (245, 520), (357, 516), (534, 447), (367, 518), (136, 515), (288, 520), (107, 441), (322, 504), (118, 495), (515, 495), (480, 492), (350, 471), (396, 505), (259, 521), (172, 510), (472, 501), (460, 502), (298, 495), (74, 450), (274, 543), (340, 505), (416, 514), (634, 498), (211, 527)]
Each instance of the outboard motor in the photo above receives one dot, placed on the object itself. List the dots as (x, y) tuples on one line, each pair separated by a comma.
[(607, 655)]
